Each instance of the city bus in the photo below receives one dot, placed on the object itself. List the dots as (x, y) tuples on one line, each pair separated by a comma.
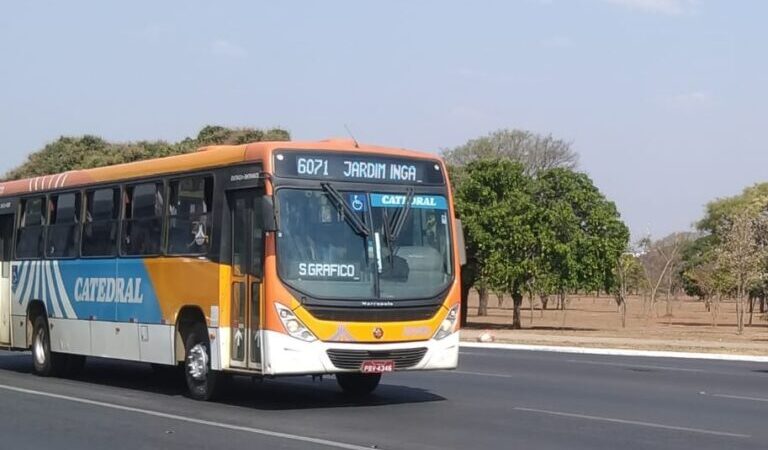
[(264, 259)]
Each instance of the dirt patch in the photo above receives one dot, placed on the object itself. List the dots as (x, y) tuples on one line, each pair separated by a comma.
[(595, 322)]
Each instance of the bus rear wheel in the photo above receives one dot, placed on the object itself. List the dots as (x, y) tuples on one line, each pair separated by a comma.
[(358, 384), (45, 362), (203, 383)]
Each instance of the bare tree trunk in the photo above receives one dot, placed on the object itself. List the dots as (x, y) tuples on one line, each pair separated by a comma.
[(500, 298), (530, 304), (716, 309), (563, 299), (482, 307), (544, 301), (623, 309), (517, 301), (751, 308), (621, 303), (653, 310), (740, 309), (762, 304), (668, 312)]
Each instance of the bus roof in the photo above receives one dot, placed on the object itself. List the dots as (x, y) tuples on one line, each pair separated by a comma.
[(203, 158)]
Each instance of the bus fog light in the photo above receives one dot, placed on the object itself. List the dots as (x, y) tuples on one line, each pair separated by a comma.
[(448, 326), (293, 325)]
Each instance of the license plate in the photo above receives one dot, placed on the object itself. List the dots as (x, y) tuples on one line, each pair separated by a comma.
[(378, 366)]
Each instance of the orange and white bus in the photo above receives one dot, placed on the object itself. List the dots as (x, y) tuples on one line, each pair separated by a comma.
[(264, 259)]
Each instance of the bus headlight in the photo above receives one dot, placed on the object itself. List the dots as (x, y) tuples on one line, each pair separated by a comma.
[(293, 325), (448, 326)]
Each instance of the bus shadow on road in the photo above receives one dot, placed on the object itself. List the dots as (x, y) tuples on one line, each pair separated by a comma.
[(285, 393)]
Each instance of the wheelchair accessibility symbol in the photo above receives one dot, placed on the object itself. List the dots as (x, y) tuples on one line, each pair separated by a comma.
[(357, 202)]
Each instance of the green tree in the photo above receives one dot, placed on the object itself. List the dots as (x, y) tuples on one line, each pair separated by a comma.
[(496, 203), (580, 233), (720, 212), (535, 152), (697, 253), (70, 153)]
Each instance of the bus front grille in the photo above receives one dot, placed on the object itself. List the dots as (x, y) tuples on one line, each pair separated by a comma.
[(353, 359)]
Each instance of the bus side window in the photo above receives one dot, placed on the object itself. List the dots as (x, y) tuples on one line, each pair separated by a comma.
[(29, 242), (143, 220), (100, 223), (189, 215), (63, 236)]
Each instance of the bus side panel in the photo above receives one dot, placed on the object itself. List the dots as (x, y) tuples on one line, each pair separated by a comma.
[(70, 336), (156, 343)]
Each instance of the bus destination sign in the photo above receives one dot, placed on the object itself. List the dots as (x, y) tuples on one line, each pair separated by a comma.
[(355, 167)]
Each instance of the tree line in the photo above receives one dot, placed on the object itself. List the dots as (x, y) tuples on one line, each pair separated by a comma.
[(728, 258), (85, 152), (724, 259)]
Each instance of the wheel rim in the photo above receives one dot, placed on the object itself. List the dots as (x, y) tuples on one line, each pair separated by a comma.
[(197, 362), (40, 348)]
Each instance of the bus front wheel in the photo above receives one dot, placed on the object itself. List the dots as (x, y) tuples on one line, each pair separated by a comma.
[(45, 362), (358, 384), (202, 381)]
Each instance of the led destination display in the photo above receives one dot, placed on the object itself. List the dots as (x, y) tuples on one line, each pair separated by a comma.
[(353, 167)]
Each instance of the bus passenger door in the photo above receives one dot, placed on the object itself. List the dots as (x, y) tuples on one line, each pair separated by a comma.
[(246, 282), (6, 237)]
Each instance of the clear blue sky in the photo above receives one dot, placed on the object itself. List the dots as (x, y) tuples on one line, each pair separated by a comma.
[(665, 100)]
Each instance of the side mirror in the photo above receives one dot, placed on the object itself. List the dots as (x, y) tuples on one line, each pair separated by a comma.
[(462, 246), (269, 214)]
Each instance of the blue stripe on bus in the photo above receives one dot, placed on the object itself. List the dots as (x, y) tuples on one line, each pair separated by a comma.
[(98, 289)]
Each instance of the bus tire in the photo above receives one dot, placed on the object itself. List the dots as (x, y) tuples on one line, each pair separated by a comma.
[(203, 383), (45, 362), (358, 384)]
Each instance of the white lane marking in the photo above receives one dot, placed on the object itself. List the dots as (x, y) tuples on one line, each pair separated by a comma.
[(226, 426), (633, 422), (482, 374), (615, 352), (736, 397), (632, 366)]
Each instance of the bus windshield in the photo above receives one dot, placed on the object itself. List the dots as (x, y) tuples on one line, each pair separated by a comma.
[(323, 253)]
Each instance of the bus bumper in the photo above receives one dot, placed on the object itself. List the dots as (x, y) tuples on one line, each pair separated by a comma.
[(285, 355)]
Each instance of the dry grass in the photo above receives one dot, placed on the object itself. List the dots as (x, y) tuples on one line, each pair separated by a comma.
[(594, 321)]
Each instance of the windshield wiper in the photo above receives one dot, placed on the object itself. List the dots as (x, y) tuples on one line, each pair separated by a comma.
[(393, 228), (401, 215), (358, 225)]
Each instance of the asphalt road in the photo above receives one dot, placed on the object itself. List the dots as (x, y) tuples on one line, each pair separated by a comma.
[(497, 399)]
